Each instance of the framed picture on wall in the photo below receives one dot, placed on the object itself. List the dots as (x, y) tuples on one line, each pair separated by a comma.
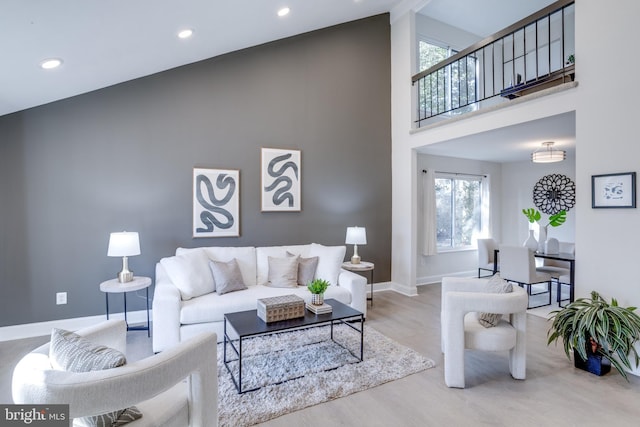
[(280, 183), (216, 203), (614, 190)]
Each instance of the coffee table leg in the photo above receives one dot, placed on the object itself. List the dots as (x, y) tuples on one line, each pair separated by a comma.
[(362, 336), (240, 367)]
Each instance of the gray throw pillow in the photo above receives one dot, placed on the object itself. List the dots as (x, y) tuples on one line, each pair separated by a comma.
[(306, 269), (73, 353), (283, 272), (227, 276), (495, 285)]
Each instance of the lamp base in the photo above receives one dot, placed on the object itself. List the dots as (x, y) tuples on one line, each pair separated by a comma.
[(355, 259), (125, 276)]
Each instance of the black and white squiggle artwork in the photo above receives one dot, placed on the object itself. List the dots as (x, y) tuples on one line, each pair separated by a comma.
[(280, 180), (216, 203)]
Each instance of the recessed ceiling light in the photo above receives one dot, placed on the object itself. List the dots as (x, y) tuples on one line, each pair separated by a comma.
[(185, 34), (51, 63), (284, 11)]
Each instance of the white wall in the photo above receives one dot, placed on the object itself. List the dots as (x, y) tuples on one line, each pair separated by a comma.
[(606, 134), (518, 179), (405, 142), (436, 31)]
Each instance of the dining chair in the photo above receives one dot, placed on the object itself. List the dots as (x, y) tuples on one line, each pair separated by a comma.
[(517, 264), (556, 268), (564, 280), (486, 250)]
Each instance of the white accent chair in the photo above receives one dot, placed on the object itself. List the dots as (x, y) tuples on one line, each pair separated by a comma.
[(486, 251), (517, 264), (178, 387), (461, 299)]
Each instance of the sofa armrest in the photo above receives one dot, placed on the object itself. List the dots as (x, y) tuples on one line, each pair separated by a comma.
[(357, 286), (166, 312)]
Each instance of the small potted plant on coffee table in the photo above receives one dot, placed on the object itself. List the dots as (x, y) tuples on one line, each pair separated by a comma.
[(600, 334), (317, 288)]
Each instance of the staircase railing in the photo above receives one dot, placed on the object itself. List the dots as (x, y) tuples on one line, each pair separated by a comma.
[(532, 54)]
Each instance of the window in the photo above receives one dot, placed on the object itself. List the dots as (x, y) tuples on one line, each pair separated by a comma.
[(458, 210), (449, 88), (430, 54)]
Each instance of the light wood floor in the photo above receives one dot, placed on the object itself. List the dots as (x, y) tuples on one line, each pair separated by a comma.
[(554, 393)]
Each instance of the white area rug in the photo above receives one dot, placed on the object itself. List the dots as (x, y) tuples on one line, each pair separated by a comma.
[(301, 359)]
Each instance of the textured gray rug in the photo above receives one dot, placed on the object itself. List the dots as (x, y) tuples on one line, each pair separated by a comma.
[(314, 370)]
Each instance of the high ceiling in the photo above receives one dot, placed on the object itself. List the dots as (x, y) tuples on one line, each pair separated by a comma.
[(102, 43), (105, 42)]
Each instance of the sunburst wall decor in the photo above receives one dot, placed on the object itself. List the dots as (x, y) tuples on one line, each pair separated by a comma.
[(554, 193)]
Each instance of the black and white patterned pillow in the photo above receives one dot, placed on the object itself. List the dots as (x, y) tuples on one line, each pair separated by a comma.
[(71, 352), (495, 285)]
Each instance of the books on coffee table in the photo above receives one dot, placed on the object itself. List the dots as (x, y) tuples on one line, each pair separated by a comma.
[(319, 309)]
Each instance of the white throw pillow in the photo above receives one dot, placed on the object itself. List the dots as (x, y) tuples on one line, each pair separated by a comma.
[(330, 260), (283, 272), (190, 273)]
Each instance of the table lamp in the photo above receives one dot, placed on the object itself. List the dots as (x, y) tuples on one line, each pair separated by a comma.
[(356, 236), (124, 244)]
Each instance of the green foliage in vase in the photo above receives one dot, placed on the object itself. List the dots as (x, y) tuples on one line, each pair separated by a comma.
[(318, 286), (533, 215), (611, 329)]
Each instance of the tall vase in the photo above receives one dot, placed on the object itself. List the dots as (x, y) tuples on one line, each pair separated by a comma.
[(542, 239), (531, 242)]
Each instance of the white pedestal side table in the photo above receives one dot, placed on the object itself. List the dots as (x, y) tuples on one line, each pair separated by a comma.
[(113, 286), (362, 267)]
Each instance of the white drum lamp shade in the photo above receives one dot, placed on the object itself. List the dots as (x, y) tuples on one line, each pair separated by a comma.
[(356, 236), (124, 244)]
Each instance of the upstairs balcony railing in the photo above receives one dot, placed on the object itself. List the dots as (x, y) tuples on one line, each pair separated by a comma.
[(532, 54)]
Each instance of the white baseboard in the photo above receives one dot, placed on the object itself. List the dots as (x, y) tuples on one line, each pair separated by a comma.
[(39, 329), (428, 280)]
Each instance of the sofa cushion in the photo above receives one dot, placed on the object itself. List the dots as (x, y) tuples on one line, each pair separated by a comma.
[(71, 352), (212, 307), (190, 273), (227, 276), (329, 261), (263, 254), (283, 272), (244, 256)]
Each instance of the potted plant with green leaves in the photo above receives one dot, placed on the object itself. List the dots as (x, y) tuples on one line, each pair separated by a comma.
[(599, 334), (317, 287), (555, 220)]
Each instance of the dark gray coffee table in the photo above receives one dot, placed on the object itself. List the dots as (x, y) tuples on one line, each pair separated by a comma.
[(247, 324)]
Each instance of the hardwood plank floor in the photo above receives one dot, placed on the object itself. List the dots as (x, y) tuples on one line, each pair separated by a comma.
[(554, 393)]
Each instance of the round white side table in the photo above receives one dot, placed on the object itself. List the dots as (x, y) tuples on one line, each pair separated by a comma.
[(362, 267), (114, 286)]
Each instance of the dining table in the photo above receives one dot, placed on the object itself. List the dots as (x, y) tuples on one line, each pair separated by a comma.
[(561, 256)]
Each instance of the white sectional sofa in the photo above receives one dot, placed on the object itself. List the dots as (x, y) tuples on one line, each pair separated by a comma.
[(186, 302)]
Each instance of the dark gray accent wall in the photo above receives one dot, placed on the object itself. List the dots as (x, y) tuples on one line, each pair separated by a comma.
[(122, 158)]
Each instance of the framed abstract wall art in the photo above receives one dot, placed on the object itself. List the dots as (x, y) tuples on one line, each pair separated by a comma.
[(614, 190), (280, 183), (216, 203)]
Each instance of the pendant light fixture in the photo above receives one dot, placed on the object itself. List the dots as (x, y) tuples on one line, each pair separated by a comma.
[(547, 154)]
